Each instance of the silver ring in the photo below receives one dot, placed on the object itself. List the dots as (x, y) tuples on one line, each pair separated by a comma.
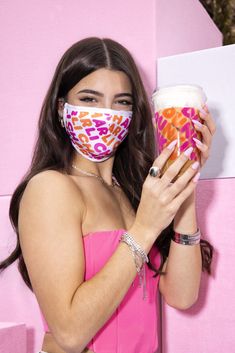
[(155, 171)]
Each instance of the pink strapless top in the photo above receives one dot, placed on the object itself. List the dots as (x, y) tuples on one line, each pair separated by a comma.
[(133, 326)]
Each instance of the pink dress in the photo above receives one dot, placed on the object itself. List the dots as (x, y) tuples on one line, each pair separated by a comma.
[(133, 326)]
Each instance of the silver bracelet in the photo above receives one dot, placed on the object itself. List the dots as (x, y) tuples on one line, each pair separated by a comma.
[(140, 257), (187, 239), (135, 247)]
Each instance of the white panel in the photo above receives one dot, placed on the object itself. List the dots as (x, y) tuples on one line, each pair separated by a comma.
[(214, 70)]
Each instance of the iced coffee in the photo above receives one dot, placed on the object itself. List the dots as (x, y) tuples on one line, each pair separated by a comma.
[(175, 107)]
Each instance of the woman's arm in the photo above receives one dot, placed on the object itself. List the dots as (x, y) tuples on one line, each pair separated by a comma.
[(50, 219), (180, 285)]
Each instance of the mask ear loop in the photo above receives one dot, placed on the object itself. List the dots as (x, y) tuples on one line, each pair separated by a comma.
[(61, 102)]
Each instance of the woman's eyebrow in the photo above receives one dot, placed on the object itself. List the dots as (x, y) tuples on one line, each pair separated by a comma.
[(123, 94), (102, 95), (91, 91)]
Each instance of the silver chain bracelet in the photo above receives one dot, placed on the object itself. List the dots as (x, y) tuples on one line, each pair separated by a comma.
[(140, 257)]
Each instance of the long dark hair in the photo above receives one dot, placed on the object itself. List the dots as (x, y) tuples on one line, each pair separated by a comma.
[(133, 158)]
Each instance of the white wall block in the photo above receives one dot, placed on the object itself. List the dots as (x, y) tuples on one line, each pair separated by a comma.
[(214, 70)]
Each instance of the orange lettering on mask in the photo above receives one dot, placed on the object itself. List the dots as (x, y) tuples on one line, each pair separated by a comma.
[(86, 122), (117, 130), (96, 115), (88, 147), (82, 114), (74, 126), (83, 138), (111, 128), (117, 118), (105, 139)]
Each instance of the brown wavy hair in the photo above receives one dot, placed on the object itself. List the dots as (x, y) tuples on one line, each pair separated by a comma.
[(134, 156)]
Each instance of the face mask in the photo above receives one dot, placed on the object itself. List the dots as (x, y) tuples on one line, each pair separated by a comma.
[(96, 132)]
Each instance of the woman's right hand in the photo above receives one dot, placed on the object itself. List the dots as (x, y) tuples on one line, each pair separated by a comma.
[(160, 199)]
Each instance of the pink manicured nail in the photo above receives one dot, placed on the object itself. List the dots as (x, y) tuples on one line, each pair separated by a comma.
[(196, 122), (196, 178), (197, 141), (188, 151), (203, 112), (195, 165), (172, 144), (205, 106)]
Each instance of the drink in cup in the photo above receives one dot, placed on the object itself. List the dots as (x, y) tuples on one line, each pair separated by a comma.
[(174, 108)]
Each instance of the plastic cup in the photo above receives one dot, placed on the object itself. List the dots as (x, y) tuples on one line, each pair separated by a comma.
[(175, 107)]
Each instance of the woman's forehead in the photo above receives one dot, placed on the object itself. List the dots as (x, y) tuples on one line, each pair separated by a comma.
[(103, 80)]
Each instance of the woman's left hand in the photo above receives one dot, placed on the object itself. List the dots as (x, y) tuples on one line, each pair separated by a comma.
[(185, 217), (207, 130)]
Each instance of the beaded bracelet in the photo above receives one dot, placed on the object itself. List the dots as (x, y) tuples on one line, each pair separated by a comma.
[(140, 257), (186, 239)]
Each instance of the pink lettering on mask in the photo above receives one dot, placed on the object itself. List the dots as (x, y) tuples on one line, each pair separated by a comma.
[(102, 130), (97, 133), (98, 123), (100, 147), (89, 133), (126, 123)]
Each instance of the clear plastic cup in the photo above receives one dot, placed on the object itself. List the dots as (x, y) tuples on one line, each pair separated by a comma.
[(175, 107)]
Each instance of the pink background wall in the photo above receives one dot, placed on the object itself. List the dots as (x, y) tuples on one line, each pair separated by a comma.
[(35, 34), (33, 37), (184, 26), (208, 326)]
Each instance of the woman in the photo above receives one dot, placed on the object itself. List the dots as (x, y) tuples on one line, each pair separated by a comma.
[(99, 228)]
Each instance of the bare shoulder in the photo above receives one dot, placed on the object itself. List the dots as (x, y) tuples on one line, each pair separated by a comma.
[(51, 186), (53, 179), (50, 234)]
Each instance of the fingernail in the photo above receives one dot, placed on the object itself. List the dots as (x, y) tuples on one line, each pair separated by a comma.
[(172, 144), (195, 165), (197, 141), (203, 112), (188, 151), (196, 122), (196, 178)]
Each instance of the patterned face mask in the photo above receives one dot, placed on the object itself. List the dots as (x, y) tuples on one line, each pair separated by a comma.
[(96, 132)]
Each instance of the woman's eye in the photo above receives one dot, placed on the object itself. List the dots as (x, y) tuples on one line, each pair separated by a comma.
[(87, 99), (125, 102)]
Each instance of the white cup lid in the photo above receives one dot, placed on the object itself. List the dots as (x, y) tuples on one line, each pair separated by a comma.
[(179, 96)]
